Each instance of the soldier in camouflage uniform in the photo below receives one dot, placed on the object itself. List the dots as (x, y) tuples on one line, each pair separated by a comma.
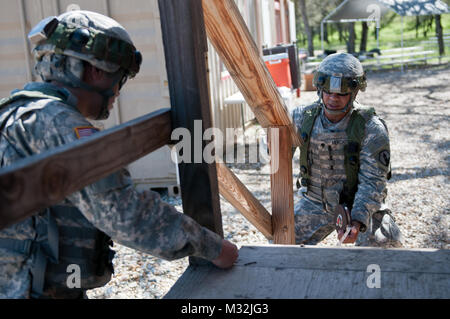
[(344, 159), (81, 80)]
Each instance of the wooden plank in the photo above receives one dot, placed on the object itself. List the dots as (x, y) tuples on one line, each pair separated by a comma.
[(423, 260), (289, 283), (318, 272), (185, 49), (232, 189), (281, 185), (47, 178), (233, 42)]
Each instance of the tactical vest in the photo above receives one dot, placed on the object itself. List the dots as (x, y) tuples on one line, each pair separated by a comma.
[(64, 236), (355, 134)]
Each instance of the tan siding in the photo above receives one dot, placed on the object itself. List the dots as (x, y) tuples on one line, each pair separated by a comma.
[(149, 91), (146, 93)]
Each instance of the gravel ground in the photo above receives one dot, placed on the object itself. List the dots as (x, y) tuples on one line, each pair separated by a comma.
[(415, 105)]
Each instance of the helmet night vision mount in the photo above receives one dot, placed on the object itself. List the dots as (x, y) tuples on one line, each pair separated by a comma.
[(86, 41)]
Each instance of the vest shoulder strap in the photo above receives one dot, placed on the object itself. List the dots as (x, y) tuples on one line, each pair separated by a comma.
[(309, 118), (357, 124), (355, 134)]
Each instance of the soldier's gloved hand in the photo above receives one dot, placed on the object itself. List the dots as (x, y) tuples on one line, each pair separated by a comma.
[(227, 256), (353, 235)]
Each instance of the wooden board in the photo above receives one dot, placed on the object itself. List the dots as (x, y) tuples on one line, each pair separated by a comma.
[(232, 189), (47, 178), (276, 271), (185, 48), (233, 42)]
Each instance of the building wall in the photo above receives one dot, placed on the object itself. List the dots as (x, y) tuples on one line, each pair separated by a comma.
[(149, 90), (144, 94)]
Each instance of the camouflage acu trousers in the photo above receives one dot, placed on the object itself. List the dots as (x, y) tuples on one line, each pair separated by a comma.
[(313, 224)]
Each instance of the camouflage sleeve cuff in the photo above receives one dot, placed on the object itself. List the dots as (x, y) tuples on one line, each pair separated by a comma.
[(211, 245), (361, 217)]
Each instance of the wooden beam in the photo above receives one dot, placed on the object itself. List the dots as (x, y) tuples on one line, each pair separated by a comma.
[(185, 49), (233, 42), (280, 149), (47, 178), (232, 189), (286, 272)]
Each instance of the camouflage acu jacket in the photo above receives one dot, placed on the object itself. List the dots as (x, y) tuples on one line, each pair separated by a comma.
[(140, 220)]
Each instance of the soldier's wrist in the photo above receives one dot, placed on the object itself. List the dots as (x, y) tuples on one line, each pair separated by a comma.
[(361, 217), (357, 224), (361, 225)]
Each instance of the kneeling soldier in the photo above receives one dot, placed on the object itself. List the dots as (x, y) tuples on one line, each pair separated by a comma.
[(344, 160)]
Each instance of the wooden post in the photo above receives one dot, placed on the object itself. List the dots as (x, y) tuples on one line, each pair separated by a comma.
[(280, 148), (233, 42), (185, 49)]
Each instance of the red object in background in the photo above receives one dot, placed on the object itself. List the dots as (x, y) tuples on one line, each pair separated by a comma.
[(278, 65)]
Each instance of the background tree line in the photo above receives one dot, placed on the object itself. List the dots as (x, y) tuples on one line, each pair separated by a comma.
[(310, 13)]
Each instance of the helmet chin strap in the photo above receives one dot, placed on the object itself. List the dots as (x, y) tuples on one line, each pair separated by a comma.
[(105, 94), (104, 111)]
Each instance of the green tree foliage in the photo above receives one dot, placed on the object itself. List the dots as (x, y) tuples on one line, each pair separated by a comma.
[(317, 10)]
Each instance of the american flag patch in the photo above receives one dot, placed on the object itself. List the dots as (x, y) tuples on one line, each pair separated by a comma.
[(85, 131)]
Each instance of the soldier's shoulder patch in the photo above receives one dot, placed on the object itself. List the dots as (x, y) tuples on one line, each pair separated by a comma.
[(85, 131), (384, 157)]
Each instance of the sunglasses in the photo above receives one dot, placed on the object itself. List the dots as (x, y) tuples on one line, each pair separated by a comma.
[(340, 94)]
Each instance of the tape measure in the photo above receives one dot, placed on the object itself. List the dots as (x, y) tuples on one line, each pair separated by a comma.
[(343, 221)]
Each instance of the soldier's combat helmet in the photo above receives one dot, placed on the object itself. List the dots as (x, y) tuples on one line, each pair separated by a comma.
[(340, 73), (64, 43)]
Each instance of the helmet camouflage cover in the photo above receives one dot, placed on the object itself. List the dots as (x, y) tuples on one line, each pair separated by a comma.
[(340, 73), (87, 36), (65, 42)]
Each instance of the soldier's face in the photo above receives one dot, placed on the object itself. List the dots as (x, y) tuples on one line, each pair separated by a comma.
[(105, 82), (335, 101)]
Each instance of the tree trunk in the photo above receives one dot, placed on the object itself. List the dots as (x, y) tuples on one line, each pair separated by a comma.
[(351, 38), (363, 43), (302, 6), (439, 34), (341, 37), (417, 26)]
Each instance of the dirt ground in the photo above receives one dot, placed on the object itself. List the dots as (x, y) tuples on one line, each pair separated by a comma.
[(416, 107)]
